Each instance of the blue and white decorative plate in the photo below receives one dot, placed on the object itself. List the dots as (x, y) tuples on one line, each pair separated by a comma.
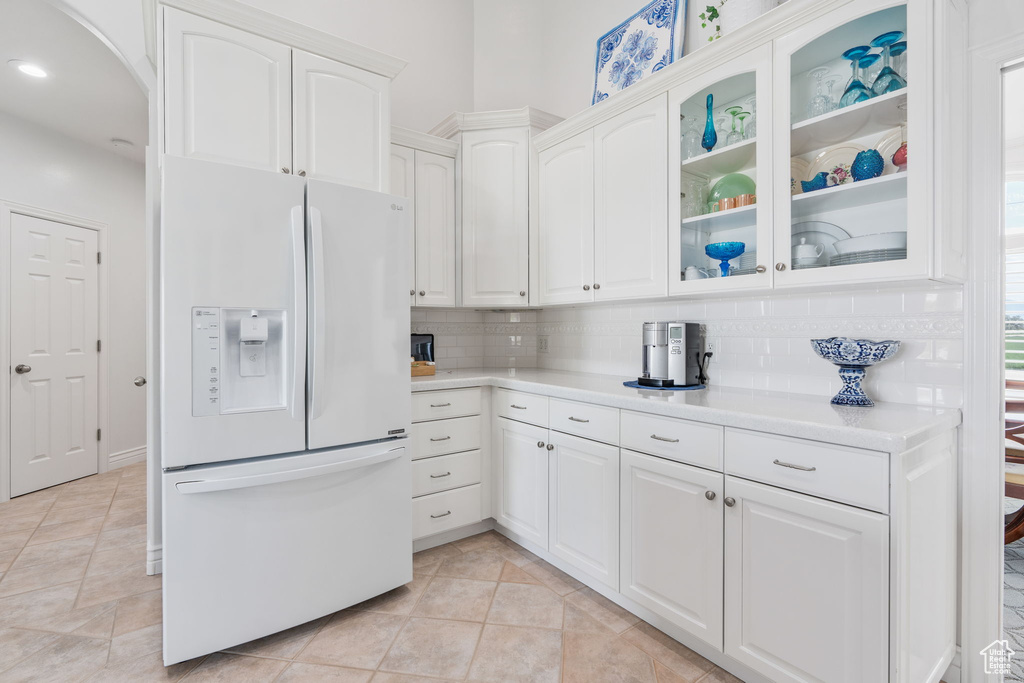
[(647, 42)]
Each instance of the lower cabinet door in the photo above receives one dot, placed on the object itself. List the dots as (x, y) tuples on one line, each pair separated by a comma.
[(522, 474), (806, 586), (584, 506), (672, 537)]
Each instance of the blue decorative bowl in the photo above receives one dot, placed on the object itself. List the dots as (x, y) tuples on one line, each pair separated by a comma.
[(852, 356), (867, 164), (724, 251)]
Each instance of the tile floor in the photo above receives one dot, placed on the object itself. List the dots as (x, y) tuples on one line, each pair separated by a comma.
[(76, 605)]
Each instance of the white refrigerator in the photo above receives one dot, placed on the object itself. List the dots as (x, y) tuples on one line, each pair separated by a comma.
[(285, 400)]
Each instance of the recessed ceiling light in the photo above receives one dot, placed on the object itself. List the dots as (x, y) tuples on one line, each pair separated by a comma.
[(121, 142), (28, 68)]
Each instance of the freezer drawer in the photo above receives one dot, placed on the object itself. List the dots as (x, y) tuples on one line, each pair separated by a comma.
[(253, 548)]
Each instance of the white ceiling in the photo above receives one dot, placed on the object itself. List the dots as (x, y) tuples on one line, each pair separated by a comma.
[(89, 95)]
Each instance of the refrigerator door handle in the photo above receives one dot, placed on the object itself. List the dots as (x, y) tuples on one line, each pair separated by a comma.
[(319, 327), (210, 485), (298, 341)]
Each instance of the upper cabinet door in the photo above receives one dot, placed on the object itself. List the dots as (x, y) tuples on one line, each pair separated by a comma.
[(403, 183), (435, 229), (495, 217), (566, 210), (342, 122), (227, 94), (631, 190)]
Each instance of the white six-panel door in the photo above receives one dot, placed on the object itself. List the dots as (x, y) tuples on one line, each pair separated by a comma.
[(523, 480), (806, 586), (403, 183), (435, 229), (54, 321), (342, 122), (566, 209), (228, 94), (672, 538), (583, 505), (631, 215)]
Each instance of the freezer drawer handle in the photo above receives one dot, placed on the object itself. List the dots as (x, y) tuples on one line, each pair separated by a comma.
[(439, 405), (792, 466), (664, 438), (209, 485), (443, 438), (440, 476), (578, 419), (443, 514), (513, 405)]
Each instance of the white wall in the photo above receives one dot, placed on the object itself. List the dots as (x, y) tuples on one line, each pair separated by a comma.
[(47, 170)]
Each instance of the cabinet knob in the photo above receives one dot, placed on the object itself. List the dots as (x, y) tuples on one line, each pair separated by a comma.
[(710, 495), (597, 286), (422, 293), (586, 288), (412, 292), (550, 446), (522, 292), (780, 267), (540, 444), (285, 169), (729, 502), (139, 381), (760, 269), (302, 173)]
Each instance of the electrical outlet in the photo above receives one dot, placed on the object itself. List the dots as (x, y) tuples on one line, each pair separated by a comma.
[(542, 343), (710, 346)]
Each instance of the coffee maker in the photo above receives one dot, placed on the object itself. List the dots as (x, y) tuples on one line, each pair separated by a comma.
[(671, 355)]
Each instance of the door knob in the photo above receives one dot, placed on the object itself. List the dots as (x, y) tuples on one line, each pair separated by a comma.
[(21, 368), (597, 286), (780, 267), (540, 444), (412, 292), (760, 269), (551, 446), (285, 169), (522, 293), (140, 381), (422, 293), (710, 495), (586, 288), (729, 502), (302, 173)]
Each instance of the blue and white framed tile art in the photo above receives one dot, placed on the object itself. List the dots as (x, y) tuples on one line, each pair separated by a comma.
[(645, 43)]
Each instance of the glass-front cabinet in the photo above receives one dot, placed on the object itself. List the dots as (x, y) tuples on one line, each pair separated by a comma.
[(720, 211)]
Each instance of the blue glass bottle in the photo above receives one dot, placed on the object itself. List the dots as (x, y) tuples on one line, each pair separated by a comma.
[(710, 138)]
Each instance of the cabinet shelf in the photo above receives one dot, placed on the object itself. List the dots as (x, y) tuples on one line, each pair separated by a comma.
[(719, 221), (872, 116), (718, 162), (873, 191)]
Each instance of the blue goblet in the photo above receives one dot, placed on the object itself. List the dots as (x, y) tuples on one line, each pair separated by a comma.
[(887, 80), (724, 251), (855, 91), (895, 50)]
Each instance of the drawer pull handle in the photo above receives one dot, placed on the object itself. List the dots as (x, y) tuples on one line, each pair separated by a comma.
[(439, 405), (793, 467), (576, 419), (517, 407), (443, 438), (440, 476), (443, 514), (664, 438)]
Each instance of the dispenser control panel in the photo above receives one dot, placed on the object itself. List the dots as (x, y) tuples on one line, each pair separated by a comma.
[(206, 376), (675, 339)]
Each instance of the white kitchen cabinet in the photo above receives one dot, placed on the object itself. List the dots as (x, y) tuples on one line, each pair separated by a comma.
[(566, 214), (495, 217), (522, 480), (227, 94), (672, 542), (403, 184), (342, 122), (631, 209), (806, 586), (583, 505)]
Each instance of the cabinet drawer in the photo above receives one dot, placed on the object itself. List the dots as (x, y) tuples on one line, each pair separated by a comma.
[(516, 405), (441, 437), (436, 405), (840, 473), (599, 423), (443, 511), (680, 440), (445, 472)]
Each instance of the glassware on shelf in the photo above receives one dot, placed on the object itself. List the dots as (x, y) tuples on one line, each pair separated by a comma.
[(819, 104), (693, 197), (751, 105), (734, 135), (723, 132), (725, 252), (855, 90), (742, 117), (870, 66), (689, 142), (899, 159), (887, 80), (898, 52), (832, 104), (710, 138)]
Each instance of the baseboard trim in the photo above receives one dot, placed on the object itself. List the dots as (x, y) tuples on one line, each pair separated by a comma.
[(154, 560), (429, 542), (953, 674), (128, 457)]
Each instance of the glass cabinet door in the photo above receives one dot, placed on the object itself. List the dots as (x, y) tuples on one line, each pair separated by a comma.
[(843, 95), (720, 199)]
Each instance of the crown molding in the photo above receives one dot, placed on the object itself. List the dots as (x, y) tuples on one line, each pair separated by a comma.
[(486, 120), (291, 33), (424, 142), (777, 22)]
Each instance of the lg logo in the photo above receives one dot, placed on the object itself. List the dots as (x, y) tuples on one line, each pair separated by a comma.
[(396, 207)]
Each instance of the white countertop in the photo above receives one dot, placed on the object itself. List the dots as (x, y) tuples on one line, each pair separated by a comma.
[(890, 427)]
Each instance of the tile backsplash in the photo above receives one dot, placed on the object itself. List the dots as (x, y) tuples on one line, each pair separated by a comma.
[(758, 342)]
